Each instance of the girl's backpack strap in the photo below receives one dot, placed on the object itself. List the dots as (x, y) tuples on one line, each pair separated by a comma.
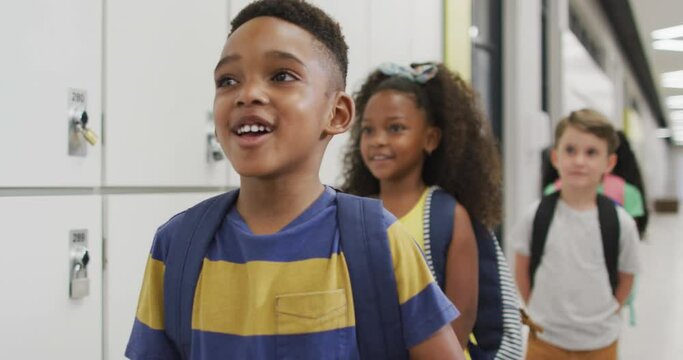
[(440, 211), (184, 262), (364, 242)]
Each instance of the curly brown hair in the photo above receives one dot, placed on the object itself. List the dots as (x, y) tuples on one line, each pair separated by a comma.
[(466, 163)]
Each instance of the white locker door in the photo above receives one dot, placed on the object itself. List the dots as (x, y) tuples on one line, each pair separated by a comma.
[(132, 222), (38, 320), (49, 47), (160, 57)]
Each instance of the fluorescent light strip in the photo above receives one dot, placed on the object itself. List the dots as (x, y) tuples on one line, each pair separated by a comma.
[(676, 116), (668, 45), (675, 102), (673, 79), (668, 33)]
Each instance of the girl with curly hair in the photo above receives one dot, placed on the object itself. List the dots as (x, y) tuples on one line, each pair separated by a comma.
[(417, 130)]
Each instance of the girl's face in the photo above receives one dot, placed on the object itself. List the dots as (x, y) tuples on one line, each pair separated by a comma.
[(395, 136)]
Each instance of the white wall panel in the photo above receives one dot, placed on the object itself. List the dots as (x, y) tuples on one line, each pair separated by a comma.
[(160, 57), (526, 126), (132, 222), (586, 85), (427, 33), (38, 320), (391, 31), (49, 47)]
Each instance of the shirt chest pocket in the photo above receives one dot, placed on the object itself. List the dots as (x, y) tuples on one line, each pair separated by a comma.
[(311, 312), (313, 325)]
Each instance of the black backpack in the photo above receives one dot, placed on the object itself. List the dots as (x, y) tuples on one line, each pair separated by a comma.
[(609, 228), (498, 327)]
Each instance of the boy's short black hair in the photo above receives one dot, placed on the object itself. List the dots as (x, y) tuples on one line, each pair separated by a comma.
[(306, 16)]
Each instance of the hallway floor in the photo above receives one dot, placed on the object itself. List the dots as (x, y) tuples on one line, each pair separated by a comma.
[(658, 333)]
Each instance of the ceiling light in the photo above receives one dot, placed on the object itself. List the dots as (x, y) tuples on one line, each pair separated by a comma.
[(668, 33), (675, 102), (676, 116), (673, 79), (668, 45)]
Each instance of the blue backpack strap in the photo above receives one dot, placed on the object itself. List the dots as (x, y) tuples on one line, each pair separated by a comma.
[(488, 329), (441, 215), (364, 242), (609, 229), (184, 263), (539, 232)]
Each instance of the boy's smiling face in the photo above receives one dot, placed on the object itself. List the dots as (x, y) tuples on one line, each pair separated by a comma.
[(581, 159), (275, 107)]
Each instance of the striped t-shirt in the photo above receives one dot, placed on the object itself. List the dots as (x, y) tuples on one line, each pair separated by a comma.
[(284, 295)]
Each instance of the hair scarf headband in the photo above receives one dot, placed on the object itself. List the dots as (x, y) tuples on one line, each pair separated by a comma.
[(418, 73)]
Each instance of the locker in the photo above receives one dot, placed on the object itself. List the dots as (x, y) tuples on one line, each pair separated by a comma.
[(38, 319), (52, 57), (160, 57), (131, 223)]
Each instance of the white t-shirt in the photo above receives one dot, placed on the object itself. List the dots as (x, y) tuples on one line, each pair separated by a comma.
[(572, 298)]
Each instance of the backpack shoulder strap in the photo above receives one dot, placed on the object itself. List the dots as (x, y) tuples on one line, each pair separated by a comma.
[(539, 234), (609, 229), (365, 245), (439, 221), (488, 328), (184, 262)]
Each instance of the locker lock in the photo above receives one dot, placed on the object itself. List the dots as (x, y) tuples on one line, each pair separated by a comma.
[(214, 153), (79, 120), (79, 283)]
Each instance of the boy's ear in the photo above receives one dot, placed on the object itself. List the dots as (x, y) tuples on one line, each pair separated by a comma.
[(553, 157), (433, 139), (611, 162), (341, 115)]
